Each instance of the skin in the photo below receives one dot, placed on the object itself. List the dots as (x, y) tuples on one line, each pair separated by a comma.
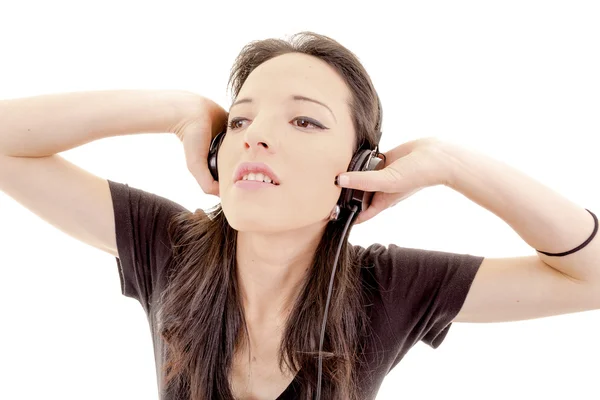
[(279, 227)]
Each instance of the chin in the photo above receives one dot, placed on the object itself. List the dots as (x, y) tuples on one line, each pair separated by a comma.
[(242, 221)]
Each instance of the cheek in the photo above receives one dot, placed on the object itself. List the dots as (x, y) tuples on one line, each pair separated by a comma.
[(314, 186)]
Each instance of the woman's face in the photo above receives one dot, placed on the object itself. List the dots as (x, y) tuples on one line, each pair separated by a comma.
[(277, 120)]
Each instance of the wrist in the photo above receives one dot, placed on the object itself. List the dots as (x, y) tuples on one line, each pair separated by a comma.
[(181, 106), (192, 110), (451, 156)]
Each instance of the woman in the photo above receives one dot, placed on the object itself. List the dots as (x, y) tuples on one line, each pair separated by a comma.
[(236, 296)]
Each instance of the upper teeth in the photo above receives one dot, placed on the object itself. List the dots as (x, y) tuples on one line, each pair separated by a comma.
[(257, 177)]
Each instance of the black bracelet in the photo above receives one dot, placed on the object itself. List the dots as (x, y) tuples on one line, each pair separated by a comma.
[(582, 245)]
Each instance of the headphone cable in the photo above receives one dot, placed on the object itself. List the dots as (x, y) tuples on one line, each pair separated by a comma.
[(337, 255)]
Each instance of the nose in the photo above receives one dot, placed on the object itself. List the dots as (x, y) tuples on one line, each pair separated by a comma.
[(260, 134)]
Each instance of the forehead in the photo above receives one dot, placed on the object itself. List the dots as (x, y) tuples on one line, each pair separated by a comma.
[(297, 73)]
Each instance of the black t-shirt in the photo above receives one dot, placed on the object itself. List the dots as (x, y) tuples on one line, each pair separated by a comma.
[(414, 294)]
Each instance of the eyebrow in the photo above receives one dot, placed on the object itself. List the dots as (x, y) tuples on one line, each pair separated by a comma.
[(294, 97)]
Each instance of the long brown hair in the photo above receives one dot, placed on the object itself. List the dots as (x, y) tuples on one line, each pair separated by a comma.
[(201, 316)]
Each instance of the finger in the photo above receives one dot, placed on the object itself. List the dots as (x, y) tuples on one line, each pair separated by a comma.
[(196, 146), (377, 206), (366, 215), (370, 181), (206, 182), (404, 149), (403, 175), (213, 186)]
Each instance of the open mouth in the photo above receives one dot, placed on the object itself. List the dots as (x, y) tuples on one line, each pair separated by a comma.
[(258, 177)]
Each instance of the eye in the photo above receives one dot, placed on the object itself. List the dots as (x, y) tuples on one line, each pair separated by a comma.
[(304, 122), (234, 124)]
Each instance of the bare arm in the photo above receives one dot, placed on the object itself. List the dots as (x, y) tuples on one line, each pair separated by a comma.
[(44, 125), (33, 130)]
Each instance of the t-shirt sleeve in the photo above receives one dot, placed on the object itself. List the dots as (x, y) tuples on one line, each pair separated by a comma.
[(421, 291), (141, 221)]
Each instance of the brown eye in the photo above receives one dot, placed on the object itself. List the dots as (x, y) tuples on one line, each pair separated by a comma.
[(304, 122), (234, 124)]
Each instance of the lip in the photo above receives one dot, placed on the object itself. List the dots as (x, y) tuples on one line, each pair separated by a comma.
[(247, 167)]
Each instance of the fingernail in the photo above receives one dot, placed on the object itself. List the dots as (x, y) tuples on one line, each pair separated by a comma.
[(336, 181), (342, 180)]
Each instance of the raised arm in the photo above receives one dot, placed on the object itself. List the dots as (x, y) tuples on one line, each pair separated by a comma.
[(34, 129)]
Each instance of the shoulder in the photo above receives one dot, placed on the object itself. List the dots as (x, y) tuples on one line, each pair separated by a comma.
[(379, 256), (394, 266)]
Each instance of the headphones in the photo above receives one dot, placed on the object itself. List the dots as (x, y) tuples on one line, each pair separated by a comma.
[(365, 159)]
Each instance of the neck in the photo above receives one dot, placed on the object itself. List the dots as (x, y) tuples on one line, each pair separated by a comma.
[(271, 268)]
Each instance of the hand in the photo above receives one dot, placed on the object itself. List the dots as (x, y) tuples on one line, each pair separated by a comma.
[(204, 120), (409, 168)]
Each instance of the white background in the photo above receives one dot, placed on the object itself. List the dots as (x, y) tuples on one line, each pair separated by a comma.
[(517, 80)]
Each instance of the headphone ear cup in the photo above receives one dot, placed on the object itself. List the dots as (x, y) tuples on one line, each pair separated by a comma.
[(373, 164), (213, 151), (363, 160), (347, 194)]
